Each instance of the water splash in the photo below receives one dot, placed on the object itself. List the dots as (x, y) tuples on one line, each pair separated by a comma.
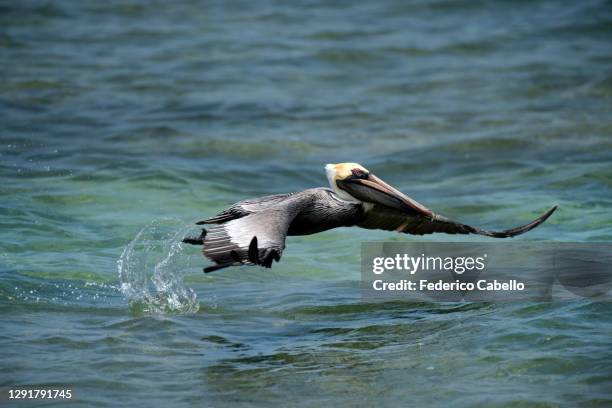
[(152, 267)]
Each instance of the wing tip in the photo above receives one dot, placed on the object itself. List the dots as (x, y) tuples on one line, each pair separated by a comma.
[(547, 214), (253, 252), (513, 232)]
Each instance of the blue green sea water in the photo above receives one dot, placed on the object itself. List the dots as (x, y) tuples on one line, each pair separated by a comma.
[(123, 122)]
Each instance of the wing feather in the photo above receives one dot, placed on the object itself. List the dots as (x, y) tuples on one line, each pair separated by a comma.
[(244, 208), (255, 239), (385, 218)]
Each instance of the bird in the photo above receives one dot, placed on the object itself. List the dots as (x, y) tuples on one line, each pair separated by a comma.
[(253, 231)]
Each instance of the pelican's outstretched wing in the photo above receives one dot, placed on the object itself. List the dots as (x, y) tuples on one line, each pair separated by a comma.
[(256, 239), (380, 217), (244, 208)]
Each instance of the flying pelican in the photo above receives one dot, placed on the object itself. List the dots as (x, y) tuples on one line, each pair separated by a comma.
[(253, 232)]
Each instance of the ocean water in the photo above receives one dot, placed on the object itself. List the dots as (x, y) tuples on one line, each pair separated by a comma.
[(124, 122)]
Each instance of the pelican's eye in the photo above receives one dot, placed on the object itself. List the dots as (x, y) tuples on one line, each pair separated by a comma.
[(359, 174)]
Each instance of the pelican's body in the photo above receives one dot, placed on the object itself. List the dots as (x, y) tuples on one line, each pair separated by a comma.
[(253, 232)]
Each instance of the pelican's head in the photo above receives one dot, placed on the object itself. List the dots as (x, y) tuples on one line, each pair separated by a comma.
[(343, 171), (353, 182)]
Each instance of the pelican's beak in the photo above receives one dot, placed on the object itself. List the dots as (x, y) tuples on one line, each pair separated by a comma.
[(371, 189)]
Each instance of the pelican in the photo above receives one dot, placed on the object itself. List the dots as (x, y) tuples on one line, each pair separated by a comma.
[(253, 232)]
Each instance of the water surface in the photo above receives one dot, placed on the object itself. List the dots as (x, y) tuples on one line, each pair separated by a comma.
[(122, 123)]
